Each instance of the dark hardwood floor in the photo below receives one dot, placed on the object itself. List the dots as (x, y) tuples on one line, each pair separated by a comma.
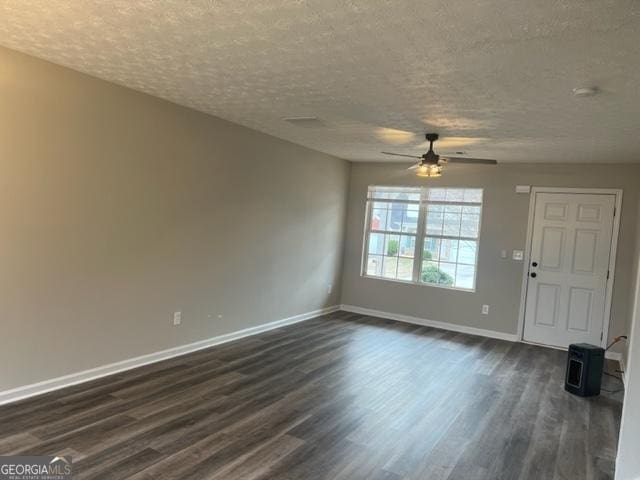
[(338, 397)]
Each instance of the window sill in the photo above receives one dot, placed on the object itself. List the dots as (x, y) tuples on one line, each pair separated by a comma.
[(419, 284)]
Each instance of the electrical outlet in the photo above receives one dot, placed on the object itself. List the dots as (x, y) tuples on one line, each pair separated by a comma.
[(330, 289), (177, 318), (485, 309)]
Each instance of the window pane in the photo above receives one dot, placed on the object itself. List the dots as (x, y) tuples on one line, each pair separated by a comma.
[(464, 276), (473, 195), (437, 194), (470, 225), (380, 205), (455, 194), (467, 252), (378, 219), (449, 271), (394, 219), (431, 249), (378, 192), (389, 267), (449, 250), (376, 243), (407, 246), (395, 193), (405, 269), (471, 209), (453, 209), (432, 273), (392, 244), (411, 195), (435, 217), (451, 224), (374, 265), (410, 219)]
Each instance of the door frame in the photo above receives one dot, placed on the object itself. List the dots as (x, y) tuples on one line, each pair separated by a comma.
[(612, 255)]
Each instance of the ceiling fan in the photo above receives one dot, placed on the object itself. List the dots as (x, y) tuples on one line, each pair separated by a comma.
[(430, 164)]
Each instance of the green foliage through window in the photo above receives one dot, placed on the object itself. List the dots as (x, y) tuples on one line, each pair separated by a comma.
[(392, 247), (432, 274)]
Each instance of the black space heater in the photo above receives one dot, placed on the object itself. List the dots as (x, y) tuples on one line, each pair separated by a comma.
[(584, 369)]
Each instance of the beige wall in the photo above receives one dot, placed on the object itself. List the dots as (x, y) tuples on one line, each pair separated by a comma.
[(504, 226), (118, 208)]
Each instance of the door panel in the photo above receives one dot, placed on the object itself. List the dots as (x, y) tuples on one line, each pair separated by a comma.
[(585, 250), (589, 213), (555, 211), (551, 248), (579, 315), (570, 250), (547, 305)]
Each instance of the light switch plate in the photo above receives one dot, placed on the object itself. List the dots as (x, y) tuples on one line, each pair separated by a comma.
[(523, 188), (518, 255)]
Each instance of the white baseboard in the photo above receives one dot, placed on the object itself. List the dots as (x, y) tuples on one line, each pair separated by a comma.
[(19, 393), (511, 337), (613, 356), (462, 329)]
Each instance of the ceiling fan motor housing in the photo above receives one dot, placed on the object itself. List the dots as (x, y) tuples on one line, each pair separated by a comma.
[(430, 157)]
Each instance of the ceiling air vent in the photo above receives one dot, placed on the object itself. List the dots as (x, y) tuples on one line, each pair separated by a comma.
[(305, 122)]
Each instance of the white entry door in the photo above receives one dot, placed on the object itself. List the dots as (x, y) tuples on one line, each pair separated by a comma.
[(568, 268)]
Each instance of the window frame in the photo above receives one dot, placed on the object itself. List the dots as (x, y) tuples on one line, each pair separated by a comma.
[(420, 234)]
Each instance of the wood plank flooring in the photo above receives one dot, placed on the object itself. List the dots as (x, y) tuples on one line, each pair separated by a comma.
[(338, 397)]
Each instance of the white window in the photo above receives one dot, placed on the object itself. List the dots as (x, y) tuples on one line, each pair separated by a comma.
[(423, 235)]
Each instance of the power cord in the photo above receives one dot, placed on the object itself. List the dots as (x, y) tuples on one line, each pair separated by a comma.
[(612, 391), (616, 340), (612, 375)]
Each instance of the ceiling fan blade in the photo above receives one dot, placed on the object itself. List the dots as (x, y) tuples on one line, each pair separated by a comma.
[(413, 167), (400, 155), (477, 161)]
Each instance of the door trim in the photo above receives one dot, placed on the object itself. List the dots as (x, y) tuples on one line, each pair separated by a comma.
[(612, 255)]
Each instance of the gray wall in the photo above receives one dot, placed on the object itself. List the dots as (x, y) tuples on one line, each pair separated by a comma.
[(633, 300), (504, 226), (628, 461), (118, 208)]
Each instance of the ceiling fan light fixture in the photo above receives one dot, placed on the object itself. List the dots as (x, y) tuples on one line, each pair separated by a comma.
[(430, 171)]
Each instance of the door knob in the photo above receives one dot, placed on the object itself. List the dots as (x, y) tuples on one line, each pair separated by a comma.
[(534, 264), (534, 274)]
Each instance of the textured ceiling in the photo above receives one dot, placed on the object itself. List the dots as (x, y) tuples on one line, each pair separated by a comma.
[(496, 75)]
